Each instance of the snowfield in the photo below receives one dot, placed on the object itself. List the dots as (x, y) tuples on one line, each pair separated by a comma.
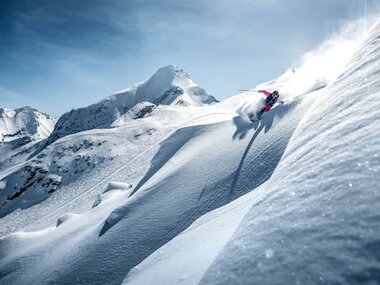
[(159, 184)]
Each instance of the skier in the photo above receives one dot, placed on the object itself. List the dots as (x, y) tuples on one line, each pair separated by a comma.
[(269, 101)]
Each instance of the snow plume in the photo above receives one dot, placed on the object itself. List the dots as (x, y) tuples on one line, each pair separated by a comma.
[(249, 106), (322, 65), (318, 67), (327, 61)]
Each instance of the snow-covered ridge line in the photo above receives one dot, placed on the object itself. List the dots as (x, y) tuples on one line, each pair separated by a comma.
[(24, 122), (169, 85)]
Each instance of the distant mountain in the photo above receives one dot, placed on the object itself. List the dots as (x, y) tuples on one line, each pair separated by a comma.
[(29, 174), (24, 123), (170, 85)]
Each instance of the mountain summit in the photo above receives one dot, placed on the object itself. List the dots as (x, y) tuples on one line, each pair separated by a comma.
[(24, 123), (170, 85)]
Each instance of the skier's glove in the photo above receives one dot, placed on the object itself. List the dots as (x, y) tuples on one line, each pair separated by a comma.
[(260, 91)]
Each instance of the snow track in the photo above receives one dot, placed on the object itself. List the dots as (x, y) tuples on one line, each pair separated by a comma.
[(77, 197)]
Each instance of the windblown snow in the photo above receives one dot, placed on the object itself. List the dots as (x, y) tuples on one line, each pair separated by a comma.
[(159, 184)]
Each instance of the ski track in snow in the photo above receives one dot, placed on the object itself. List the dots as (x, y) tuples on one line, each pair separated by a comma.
[(79, 196)]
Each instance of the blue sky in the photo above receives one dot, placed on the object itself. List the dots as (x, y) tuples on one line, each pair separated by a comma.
[(56, 55)]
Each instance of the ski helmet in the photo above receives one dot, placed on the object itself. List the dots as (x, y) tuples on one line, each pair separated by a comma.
[(275, 93)]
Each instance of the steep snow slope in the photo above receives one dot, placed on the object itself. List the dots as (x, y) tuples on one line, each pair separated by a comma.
[(25, 122), (221, 156), (78, 167), (169, 85), (315, 221)]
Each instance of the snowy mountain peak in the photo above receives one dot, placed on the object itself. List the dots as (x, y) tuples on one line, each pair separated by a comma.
[(24, 122), (170, 85), (10, 113), (170, 72)]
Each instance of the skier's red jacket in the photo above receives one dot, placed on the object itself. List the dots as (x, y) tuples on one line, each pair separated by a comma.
[(266, 93)]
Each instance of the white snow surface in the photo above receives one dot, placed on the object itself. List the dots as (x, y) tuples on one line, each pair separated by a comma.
[(170, 85), (290, 199), (22, 130), (27, 179), (24, 122), (82, 165)]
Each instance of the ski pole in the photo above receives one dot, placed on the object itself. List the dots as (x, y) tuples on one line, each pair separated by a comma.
[(245, 90)]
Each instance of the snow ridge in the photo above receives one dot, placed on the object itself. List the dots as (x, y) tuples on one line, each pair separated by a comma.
[(170, 85), (25, 122)]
